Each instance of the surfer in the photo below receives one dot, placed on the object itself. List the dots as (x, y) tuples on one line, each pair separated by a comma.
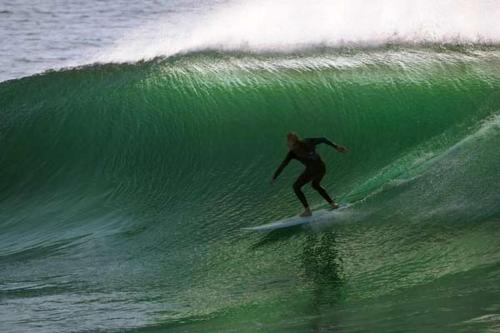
[(305, 152)]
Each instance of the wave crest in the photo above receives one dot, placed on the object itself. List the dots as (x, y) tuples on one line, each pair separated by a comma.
[(286, 26)]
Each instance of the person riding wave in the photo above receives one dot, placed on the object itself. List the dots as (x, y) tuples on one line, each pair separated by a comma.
[(305, 152)]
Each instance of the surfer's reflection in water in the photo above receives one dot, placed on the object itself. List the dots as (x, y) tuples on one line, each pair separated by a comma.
[(305, 152), (321, 270), (322, 267)]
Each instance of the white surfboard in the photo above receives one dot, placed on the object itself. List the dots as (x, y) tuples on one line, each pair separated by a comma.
[(322, 214)]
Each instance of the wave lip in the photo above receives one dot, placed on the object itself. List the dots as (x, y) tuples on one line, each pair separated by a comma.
[(286, 26)]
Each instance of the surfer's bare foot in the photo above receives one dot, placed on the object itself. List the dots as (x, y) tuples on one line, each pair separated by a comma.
[(306, 213), (334, 205)]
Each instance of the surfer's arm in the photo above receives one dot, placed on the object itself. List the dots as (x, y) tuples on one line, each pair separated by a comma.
[(324, 140), (283, 164)]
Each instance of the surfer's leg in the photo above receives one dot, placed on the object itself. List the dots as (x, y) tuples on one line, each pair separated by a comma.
[(303, 179), (317, 186)]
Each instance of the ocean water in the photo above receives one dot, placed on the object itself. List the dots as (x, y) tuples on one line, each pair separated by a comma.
[(139, 139)]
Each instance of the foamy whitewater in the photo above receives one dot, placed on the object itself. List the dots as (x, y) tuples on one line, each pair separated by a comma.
[(294, 25), (138, 142)]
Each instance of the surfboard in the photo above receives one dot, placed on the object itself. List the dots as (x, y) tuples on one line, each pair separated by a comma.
[(321, 214)]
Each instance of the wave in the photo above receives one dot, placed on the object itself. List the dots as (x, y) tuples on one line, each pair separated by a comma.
[(125, 177), (208, 127)]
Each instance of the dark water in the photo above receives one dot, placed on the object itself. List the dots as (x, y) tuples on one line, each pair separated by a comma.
[(124, 188)]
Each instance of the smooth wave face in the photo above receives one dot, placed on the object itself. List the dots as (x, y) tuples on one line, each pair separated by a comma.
[(124, 189)]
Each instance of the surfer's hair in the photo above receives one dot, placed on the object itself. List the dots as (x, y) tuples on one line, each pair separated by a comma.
[(298, 146), (292, 136)]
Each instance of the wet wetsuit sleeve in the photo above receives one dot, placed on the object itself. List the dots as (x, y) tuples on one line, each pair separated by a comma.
[(283, 164), (324, 140)]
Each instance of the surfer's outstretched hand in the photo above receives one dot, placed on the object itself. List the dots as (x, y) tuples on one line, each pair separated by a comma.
[(341, 149)]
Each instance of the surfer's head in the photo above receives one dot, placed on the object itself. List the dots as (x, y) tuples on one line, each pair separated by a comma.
[(291, 139)]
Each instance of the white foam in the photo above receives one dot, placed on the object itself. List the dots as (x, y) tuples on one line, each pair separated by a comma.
[(317, 216), (291, 25)]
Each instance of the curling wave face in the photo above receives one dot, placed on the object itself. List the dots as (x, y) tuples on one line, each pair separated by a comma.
[(124, 187)]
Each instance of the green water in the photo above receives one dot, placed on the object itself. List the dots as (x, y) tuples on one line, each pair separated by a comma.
[(124, 189)]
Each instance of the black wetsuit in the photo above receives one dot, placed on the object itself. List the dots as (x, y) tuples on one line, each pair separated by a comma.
[(315, 168)]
